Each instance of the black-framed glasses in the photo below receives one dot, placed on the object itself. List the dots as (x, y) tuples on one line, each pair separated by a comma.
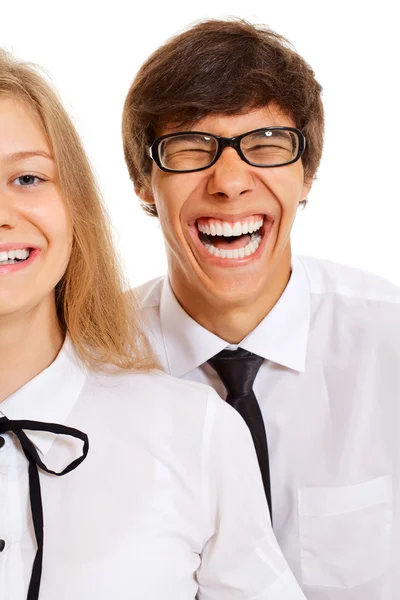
[(188, 151)]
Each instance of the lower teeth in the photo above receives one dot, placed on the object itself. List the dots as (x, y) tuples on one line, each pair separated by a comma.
[(11, 261), (237, 252)]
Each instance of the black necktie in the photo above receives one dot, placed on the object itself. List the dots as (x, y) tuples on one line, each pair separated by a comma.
[(237, 370), (31, 454)]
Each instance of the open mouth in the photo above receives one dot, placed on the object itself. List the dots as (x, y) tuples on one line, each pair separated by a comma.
[(12, 257), (232, 240)]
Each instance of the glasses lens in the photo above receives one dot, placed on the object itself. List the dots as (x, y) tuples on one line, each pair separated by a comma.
[(270, 147), (187, 152)]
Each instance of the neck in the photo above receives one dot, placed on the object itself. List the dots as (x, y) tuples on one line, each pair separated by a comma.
[(29, 343), (234, 322)]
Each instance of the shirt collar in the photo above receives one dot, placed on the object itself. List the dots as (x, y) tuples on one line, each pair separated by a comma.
[(48, 397), (281, 337), (187, 344)]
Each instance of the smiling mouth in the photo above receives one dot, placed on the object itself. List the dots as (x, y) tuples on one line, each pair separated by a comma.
[(232, 239)]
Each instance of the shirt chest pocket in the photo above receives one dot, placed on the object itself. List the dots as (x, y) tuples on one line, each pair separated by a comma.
[(345, 532)]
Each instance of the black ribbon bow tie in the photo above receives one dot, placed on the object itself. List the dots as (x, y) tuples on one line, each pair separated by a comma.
[(18, 427)]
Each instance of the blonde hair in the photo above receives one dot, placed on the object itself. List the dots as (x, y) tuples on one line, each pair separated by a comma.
[(100, 317)]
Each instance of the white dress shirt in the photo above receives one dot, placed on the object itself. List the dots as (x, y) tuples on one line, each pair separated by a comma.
[(168, 503), (329, 391)]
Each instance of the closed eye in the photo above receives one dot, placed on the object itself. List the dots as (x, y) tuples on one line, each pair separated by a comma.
[(183, 150), (264, 146)]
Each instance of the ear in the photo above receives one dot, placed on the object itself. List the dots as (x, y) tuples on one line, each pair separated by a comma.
[(307, 185), (145, 194)]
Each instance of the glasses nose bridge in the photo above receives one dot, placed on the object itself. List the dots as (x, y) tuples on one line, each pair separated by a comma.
[(233, 142)]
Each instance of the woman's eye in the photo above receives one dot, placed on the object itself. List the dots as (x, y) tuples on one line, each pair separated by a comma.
[(27, 180)]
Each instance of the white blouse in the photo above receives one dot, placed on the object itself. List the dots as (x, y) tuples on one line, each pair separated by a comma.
[(167, 505)]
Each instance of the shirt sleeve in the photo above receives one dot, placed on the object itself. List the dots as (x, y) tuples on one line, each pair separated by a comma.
[(241, 559)]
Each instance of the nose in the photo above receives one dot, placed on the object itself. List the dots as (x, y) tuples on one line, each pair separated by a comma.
[(7, 214), (231, 177)]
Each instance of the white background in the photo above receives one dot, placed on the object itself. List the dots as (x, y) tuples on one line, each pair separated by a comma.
[(92, 50)]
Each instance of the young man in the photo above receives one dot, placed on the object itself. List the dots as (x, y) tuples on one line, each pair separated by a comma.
[(223, 131)]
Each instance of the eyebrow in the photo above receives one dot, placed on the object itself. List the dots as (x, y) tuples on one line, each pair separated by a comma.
[(27, 154)]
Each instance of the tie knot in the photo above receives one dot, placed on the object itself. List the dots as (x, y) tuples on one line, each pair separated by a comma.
[(237, 370)]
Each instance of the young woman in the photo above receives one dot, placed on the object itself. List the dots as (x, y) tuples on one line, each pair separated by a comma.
[(155, 499)]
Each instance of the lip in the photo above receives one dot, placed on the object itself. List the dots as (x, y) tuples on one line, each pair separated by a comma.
[(4, 269), (229, 217), (16, 246), (232, 262)]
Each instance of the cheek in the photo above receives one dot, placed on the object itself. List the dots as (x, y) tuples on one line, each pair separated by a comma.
[(287, 189), (170, 196), (51, 217)]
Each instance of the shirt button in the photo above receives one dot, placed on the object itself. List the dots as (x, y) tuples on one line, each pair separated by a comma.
[(2, 442), (2, 545)]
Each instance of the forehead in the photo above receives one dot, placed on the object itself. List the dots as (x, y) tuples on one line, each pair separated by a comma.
[(232, 125), (20, 129)]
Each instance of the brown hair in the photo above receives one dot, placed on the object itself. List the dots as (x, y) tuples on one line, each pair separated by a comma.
[(100, 317), (225, 67)]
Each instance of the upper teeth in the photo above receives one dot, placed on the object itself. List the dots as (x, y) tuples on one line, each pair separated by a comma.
[(21, 254), (230, 229)]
